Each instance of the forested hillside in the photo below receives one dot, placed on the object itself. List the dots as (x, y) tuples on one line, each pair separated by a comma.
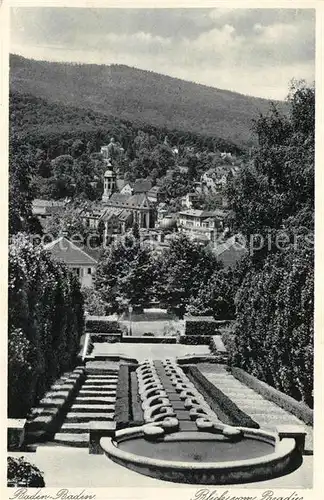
[(141, 97)]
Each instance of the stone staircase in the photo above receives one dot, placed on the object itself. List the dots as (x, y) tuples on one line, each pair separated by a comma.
[(266, 413), (94, 402)]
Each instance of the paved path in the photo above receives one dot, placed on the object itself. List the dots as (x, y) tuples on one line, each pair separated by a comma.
[(148, 351), (267, 414), (66, 467)]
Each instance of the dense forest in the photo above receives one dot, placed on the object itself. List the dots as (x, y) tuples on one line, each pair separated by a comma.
[(142, 97), (54, 153)]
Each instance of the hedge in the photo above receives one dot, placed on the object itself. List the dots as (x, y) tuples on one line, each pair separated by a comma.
[(201, 326), (22, 474), (123, 403), (297, 408), (274, 328), (45, 323), (101, 325), (149, 340), (137, 414), (105, 337), (195, 340), (222, 405)]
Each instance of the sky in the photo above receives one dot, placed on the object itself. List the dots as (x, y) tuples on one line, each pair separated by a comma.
[(251, 51)]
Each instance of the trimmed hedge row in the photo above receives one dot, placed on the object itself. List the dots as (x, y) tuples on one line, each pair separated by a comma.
[(101, 325), (193, 358), (195, 340), (149, 340), (128, 409), (123, 403), (202, 327), (45, 323), (136, 406), (106, 337), (297, 408), (222, 405)]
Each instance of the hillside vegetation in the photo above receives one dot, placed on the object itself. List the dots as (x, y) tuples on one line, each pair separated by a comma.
[(142, 97)]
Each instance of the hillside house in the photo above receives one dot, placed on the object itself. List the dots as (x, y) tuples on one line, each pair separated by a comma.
[(201, 225), (189, 200), (91, 217), (42, 209), (155, 195)]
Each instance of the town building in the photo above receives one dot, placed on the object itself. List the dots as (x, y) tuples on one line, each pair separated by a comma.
[(42, 209), (155, 195), (75, 258), (201, 225), (142, 211), (189, 200), (109, 184), (91, 217)]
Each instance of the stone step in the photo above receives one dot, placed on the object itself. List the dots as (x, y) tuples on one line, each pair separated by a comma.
[(95, 394), (104, 387), (84, 408), (259, 405), (113, 376), (77, 440), (88, 417), (74, 427), (100, 380), (98, 400)]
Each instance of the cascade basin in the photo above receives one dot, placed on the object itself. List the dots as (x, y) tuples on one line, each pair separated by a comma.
[(204, 457)]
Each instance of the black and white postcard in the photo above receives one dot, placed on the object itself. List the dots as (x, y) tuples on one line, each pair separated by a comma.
[(159, 184)]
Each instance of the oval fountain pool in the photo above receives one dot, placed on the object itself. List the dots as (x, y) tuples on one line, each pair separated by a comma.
[(202, 451), (203, 457)]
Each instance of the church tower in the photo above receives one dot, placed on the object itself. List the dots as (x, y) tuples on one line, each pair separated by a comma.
[(109, 184)]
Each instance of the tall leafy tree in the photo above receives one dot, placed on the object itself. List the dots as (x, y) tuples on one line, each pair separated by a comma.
[(181, 272), (124, 275)]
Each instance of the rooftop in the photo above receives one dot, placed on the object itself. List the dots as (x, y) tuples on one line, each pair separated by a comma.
[(66, 251)]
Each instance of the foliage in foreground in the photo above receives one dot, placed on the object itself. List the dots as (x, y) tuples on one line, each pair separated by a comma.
[(45, 322), (20, 473), (274, 196)]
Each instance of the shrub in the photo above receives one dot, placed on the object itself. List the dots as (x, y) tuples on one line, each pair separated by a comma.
[(45, 323), (195, 340), (275, 325), (21, 473), (93, 302), (196, 325), (122, 407), (101, 325)]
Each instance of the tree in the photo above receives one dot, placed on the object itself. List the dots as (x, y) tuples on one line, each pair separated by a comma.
[(181, 271), (125, 275), (274, 196), (216, 297), (20, 199), (135, 231), (279, 181)]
